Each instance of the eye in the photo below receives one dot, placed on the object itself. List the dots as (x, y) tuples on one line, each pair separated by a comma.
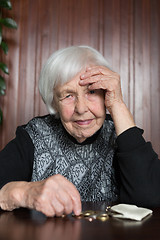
[(92, 91), (68, 96)]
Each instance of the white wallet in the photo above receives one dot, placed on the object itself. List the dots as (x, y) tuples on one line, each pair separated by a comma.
[(128, 211)]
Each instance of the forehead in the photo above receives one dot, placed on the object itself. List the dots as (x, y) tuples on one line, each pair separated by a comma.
[(71, 85)]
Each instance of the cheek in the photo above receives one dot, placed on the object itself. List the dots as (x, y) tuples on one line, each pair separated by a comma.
[(66, 112), (98, 107), (98, 111)]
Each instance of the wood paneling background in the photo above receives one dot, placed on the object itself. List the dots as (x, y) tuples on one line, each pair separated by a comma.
[(126, 32)]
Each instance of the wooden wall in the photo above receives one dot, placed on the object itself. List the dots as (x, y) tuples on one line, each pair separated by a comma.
[(127, 32)]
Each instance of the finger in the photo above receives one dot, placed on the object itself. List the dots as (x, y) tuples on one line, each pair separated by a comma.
[(99, 82), (90, 80), (75, 197), (70, 189), (48, 211), (58, 207), (96, 78), (102, 84), (96, 70), (89, 73), (66, 201), (77, 206), (46, 208)]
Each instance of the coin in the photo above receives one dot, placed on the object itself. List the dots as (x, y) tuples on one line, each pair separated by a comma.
[(88, 213), (62, 216), (103, 214), (91, 215), (108, 208), (77, 216), (103, 217)]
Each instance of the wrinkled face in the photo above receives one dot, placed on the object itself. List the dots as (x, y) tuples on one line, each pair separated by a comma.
[(81, 111)]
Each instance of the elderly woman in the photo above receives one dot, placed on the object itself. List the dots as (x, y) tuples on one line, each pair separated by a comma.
[(77, 152)]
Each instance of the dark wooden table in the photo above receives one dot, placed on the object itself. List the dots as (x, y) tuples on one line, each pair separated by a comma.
[(24, 224)]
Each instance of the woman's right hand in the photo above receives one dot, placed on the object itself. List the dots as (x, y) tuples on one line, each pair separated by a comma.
[(53, 196)]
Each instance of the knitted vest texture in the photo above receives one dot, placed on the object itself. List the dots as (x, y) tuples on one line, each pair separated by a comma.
[(87, 166)]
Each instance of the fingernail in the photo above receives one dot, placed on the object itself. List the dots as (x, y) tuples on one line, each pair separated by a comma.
[(82, 76), (78, 211), (81, 82)]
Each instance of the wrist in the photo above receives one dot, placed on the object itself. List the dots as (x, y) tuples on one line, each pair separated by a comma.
[(116, 107), (12, 195), (122, 117)]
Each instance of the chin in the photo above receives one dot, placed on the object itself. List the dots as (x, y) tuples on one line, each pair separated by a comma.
[(82, 138)]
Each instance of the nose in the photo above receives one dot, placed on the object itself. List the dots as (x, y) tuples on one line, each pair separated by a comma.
[(81, 105)]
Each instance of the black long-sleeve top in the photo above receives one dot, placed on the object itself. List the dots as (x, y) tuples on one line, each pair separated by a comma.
[(136, 164)]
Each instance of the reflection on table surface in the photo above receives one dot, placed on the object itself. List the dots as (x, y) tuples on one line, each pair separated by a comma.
[(24, 224)]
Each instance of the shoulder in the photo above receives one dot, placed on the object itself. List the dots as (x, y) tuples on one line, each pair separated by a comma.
[(43, 126), (40, 122), (37, 119)]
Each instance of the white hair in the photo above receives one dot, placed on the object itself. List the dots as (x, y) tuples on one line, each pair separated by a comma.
[(62, 66)]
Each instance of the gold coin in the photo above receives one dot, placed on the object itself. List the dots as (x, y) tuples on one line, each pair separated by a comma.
[(93, 216), (88, 213), (62, 216), (102, 219), (108, 208), (77, 216), (102, 216)]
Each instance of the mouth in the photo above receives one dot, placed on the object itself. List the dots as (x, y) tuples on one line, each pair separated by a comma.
[(84, 122)]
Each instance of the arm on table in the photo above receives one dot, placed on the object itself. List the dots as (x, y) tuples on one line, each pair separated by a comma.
[(52, 196)]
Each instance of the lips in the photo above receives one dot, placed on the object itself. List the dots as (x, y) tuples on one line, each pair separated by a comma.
[(84, 122)]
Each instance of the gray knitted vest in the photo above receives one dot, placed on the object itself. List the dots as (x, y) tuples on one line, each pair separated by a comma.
[(88, 166)]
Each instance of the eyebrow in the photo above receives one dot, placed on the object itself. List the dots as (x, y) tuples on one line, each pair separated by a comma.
[(64, 91)]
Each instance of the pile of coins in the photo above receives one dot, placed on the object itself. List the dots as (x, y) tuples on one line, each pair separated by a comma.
[(91, 215)]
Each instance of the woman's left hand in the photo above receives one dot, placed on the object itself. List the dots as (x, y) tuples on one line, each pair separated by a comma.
[(100, 77)]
